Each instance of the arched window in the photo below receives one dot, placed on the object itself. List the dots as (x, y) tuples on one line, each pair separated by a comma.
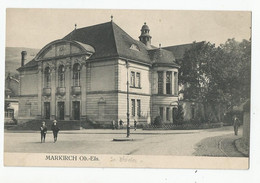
[(61, 76), (47, 77), (76, 75)]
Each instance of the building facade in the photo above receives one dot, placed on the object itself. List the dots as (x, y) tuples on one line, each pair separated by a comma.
[(89, 72)]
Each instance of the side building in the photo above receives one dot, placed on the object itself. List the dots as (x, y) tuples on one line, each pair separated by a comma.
[(88, 74)]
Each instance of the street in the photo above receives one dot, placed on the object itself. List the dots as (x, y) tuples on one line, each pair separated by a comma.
[(206, 142)]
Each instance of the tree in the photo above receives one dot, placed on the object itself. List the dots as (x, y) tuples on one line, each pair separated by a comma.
[(219, 77)]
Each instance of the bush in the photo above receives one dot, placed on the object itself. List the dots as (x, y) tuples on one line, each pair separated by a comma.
[(179, 115), (157, 121)]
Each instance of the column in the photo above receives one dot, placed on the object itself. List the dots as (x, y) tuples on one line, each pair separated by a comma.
[(39, 101), (164, 114), (173, 83), (53, 92), (164, 82), (171, 111), (83, 84), (67, 95)]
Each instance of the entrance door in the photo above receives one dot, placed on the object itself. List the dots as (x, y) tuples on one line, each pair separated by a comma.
[(76, 110), (47, 110), (61, 110)]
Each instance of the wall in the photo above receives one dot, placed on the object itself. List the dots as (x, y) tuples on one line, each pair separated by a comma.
[(144, 75), (94, 103), (28, 108), (102, 76), (145, 108), (28, 83)]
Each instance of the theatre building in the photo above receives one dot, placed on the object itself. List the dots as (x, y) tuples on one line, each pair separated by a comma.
[(89, 72)]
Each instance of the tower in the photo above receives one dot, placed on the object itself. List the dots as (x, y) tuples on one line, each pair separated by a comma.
[(145, 36)]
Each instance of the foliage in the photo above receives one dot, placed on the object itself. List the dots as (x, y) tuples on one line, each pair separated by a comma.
[(179, 116), (157, 121), (217, 75)]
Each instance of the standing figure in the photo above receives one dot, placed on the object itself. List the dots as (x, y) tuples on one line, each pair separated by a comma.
[(43, 131), (121, 123), (55, 129), (113, 124), (236, 124), (135, 124)]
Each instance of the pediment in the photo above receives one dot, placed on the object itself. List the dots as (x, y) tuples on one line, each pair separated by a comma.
[(63, 48)]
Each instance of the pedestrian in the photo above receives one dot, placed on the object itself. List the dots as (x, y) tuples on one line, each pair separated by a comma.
[(116, 125), (236, 124), (113, 124), (121, 123), (135, 124), (55, 129), (43, 131)]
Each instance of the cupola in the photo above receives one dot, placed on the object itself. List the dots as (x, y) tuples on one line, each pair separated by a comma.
[(145, 36)]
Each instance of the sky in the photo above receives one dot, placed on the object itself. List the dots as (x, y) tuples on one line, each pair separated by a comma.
[(34, 28)]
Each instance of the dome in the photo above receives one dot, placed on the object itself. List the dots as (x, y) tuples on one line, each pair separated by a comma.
[(145, 26)]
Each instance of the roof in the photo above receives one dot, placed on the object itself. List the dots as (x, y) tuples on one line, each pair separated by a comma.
[(30, 64), (109, 40), (179, 50), (161, 56)]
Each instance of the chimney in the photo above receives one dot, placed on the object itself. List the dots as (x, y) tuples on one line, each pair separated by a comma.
[(23, 53)]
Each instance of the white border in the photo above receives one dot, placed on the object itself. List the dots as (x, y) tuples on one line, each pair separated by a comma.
[(32, 174)]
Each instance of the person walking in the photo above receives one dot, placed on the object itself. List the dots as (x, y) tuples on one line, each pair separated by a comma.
[(236, 124), (43, 131), (135, 124), (121, 123), (55, 129)]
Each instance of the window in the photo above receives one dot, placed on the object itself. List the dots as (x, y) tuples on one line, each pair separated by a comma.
[(133, 79), (174, 114), (61, 76), (9, 113), (76, 75), (161, 112), (160, 82), (138, 80), (168, 82), (47, 77), (138, 108), (167, 113), (133, 107), (134, 47)]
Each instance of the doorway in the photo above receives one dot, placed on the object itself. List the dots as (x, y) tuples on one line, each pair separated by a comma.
[(47, 110), (61, 111), (76, 110)]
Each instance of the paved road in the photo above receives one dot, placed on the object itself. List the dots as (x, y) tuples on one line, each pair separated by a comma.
[(167, 142)]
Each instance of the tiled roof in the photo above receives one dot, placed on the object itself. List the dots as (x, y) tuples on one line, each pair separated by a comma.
[(29, 64), (109, 40), (162, 56), (179, 50)]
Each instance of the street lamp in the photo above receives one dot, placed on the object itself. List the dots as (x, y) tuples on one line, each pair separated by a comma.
[(127, 98)]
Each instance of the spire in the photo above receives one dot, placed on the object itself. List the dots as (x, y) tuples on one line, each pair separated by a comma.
[(145, 36)]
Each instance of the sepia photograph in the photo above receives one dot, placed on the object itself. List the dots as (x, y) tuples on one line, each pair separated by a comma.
[(127, 88)]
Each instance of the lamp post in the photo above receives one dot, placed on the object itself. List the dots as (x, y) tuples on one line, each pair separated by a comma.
[(127, 98)]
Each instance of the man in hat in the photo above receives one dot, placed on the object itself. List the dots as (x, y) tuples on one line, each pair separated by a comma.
[(55, 129), (43, 131)]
